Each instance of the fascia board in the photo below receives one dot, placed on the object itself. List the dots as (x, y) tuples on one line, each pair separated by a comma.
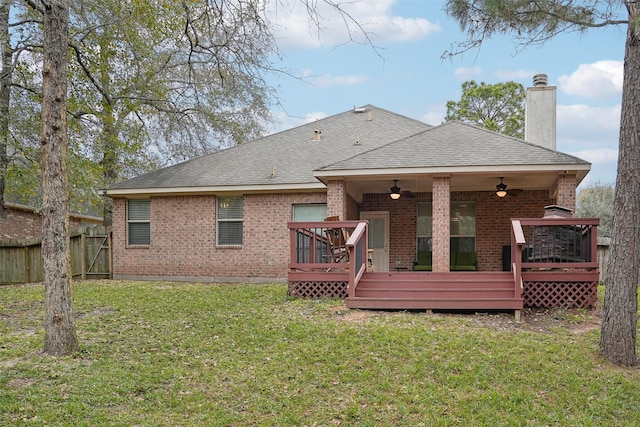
[(325, 174), (237, 189)]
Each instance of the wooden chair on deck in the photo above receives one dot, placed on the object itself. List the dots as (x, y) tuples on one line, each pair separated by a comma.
[(337, 238)]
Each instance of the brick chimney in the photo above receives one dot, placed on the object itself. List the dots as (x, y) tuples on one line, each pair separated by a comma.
[(540, 113)]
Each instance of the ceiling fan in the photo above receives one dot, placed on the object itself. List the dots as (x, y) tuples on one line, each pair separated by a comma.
[(396, 192), (501, 190)]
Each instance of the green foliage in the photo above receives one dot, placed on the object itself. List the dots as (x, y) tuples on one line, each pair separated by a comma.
[(596, 201), (530, 23), (182, 354), (150, 83), (498, 107)]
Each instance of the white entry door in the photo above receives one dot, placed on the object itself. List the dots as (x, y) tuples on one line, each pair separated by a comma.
[(378, 238)]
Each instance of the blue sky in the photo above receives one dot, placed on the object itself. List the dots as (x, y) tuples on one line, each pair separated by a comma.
[(410, 78)]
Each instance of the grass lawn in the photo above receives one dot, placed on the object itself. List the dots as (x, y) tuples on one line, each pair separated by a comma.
[(184, 354)]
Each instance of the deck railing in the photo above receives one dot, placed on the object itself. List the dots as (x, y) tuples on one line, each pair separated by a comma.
[(313, 249), (555, 261), (358, 256), (555, 243)]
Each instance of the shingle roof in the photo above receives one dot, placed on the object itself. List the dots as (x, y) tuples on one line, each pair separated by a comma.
[(292, 155), (456, 144), (366, 138)]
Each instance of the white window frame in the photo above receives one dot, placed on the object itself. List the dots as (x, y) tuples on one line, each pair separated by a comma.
[(317, 216), (454, 205), (223, 219), (138, 220), (428, 237)]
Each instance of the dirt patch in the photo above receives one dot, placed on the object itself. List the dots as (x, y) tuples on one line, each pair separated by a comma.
[(578, 321), (95, 312), (22, 382), (545, 321), (358, 316)]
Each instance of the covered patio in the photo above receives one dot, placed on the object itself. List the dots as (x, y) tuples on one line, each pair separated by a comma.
[(554, 265)]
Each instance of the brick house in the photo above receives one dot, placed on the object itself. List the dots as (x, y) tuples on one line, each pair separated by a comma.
[(24, 222), (230, 215)]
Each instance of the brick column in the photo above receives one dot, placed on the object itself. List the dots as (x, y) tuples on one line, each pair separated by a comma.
[(566, 191), (441, 223), (337, 199)]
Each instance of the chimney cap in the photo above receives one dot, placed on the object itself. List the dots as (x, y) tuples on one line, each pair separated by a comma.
[(540, 80), (556, 211)]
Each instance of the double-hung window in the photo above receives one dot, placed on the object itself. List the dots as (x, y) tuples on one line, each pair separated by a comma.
[(462, 226), (425, 226), (310, 212), (230, 220), (138, 222)]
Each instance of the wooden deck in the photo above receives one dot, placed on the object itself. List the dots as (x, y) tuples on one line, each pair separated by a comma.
[(429, 291), (549, 269)]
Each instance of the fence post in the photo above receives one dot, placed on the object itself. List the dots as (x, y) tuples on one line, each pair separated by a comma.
[(27, 265), (83, 255), (109, 255)]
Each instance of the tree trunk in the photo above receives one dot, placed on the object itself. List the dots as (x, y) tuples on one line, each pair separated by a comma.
[(109, 161), (6, 73), (60, 331), (620, 318)]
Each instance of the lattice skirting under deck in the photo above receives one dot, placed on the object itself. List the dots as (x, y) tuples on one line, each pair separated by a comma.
[(318, 289), (560, 294)]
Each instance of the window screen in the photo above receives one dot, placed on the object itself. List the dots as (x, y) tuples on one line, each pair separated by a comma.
[(230, 217), (310, 212), (138, 222)]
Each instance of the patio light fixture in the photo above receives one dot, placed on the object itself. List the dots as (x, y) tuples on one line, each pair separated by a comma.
[(501, 188), (395, 190)]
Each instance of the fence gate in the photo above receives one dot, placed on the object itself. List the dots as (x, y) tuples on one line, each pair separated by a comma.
[(97, 253)]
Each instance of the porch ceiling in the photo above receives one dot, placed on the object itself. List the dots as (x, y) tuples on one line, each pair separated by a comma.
[(357, 186)]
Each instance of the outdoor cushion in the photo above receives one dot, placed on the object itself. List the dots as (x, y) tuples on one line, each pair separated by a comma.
[(463, 261), (423, 261)]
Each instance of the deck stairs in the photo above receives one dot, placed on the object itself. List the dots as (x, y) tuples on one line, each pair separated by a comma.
[(428, 290)]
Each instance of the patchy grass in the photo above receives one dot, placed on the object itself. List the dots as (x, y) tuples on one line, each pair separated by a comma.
[(172, 354)]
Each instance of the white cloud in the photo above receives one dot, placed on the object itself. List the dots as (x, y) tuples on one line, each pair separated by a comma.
[(583, 126), (328, 80), (590, 133), (297, 27), (435, 115), (467, 73), (600, 80)]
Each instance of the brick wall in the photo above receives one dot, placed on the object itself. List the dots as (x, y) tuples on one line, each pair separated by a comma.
[(20, 224), (441, 223), (493, 221), (402, 224), (566, 191), (336, 199), (493, 226), (183, 242), (183, 239), (24, 223)]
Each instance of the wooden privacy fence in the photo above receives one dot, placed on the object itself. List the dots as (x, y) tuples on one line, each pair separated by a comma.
[(21, 259)]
